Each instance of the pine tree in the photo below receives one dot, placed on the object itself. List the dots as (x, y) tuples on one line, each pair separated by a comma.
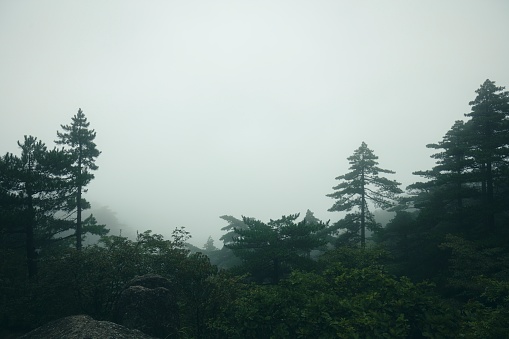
[(361, 185), (33, 192), (471, 163), (269, 250), (310, 217), (488, 138), (449, 180), (79, 140), (209, 245), (233, 225)]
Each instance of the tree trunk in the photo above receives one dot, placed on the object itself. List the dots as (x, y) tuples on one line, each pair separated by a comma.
[(78, 203), (78, 219), (490, 211), (30, 240), (363, 211)]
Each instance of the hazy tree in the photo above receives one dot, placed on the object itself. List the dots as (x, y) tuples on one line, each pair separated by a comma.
[(471, 163), (79, 140), (364, 184), (105, 215), (271, 249), (233, 225), (209, 245), (488, 138), (33, 192), (448, 181), (351, 227), (310, 218)]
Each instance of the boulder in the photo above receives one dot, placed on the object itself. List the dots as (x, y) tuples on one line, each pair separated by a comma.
[(83, 327), (150, 281), (149, 304)]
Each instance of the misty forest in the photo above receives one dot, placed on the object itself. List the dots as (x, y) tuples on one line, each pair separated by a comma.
[(437, 267)]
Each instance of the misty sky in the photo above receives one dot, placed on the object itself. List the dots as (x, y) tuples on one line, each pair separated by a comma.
[(206, 108)]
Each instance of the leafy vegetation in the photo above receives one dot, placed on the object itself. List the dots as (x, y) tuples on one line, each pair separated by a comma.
[(438, 269)]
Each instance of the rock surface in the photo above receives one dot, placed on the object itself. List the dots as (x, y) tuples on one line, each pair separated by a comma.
[(149, 304), (150, 281), (83, 327)]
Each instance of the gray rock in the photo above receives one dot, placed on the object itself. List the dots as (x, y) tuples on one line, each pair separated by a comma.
[(83, 327), (150, 281), (149, 304)]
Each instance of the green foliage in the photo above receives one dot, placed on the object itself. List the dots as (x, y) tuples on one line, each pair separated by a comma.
[(466, 195), (488, 140), (90, 281), (271, 250), (224, 258), (32, 193), (471, 262), (448, 182), (467, 186), (359, 186), (450, 229), (479, 277), (340, 302), (209, 245), (351, 225), (83, 151), (91, 226), (233, 225), (489, 127), (413, 248), (310, 218), (355, 185), (81, 146)]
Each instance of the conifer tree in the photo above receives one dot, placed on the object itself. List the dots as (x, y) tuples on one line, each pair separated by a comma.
[(209, 245), (33, 191), (310, 217), (488, 138), (448, 181), (233, 225), (79, 140), (361, 185), (269, 250), (471, 163)]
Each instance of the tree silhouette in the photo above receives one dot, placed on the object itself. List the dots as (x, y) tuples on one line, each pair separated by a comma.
[(361, 185), (33, 192), (488, 138), (81, 147)]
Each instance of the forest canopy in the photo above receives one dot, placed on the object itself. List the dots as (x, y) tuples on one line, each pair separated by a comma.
[(438, 268)]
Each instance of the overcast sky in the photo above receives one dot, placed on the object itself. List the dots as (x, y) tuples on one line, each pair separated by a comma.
[(206, 108)]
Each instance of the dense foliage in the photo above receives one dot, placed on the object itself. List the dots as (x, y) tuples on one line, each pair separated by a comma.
[(438, 269), (271, 250)]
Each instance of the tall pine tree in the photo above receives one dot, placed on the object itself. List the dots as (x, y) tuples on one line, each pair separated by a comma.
[(449, 180), (488, 138), (79, 140), (361, 185)]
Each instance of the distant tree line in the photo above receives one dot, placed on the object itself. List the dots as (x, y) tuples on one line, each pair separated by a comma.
[(438, 268)]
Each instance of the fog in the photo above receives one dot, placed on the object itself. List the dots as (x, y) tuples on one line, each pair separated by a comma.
[(207, 108)]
